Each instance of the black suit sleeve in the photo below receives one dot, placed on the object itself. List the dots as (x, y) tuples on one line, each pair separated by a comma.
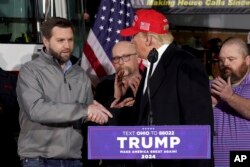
[(195, 100), (194, 93)]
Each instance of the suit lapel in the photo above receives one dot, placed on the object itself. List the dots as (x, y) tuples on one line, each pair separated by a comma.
[(156, 80), (161, 70), (141, 98)]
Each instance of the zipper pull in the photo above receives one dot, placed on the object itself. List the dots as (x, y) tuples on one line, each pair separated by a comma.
[(65, 79), (69, 86)]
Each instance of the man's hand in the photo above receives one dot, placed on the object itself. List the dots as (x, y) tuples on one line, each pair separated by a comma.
[(134, 82), (221, 88), (126, 102), (97, 113), (120, 85), (215, 99)]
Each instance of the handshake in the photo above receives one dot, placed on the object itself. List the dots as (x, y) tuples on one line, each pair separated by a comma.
[(125, 88), (98, 113)]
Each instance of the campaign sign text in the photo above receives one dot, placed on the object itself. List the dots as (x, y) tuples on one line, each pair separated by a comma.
[(149, 142)]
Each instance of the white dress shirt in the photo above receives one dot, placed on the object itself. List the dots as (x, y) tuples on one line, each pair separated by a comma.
[(160, 51)]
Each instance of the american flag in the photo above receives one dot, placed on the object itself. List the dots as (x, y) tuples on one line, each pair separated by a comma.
[(113, 15)]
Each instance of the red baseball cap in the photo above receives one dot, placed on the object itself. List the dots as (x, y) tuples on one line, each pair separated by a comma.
[(147, 20)]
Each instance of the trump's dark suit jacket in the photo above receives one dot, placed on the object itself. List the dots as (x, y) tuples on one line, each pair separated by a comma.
[(180, 95)]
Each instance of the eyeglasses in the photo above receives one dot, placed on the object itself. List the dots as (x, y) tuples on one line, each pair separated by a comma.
[(124, 58)]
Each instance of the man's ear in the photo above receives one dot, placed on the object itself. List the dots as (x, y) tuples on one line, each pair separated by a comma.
[(139, 60), (148, 39), (45, 42)]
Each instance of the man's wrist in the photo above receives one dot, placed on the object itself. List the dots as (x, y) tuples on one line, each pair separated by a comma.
[(230, 97)]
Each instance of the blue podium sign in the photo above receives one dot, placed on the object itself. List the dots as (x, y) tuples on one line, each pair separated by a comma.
[(149, 142)]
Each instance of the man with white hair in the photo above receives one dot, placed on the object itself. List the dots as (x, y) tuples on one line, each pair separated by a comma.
[(178, 86)]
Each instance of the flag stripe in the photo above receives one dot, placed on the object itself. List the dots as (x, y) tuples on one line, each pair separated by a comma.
[(100, 53), (88, 68), (93, 60)]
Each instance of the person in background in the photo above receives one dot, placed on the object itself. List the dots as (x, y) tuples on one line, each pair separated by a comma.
[(213, 48), (55, 98), (178, 85), (231, 98), (116, 92)]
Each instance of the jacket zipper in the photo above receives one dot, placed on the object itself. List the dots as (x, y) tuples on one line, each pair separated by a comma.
[(65, 81)]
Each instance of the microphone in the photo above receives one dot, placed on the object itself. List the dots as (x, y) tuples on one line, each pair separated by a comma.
[(152, 58)]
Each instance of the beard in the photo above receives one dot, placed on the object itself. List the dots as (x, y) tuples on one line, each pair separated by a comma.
[(59, 57), (236, 75)]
